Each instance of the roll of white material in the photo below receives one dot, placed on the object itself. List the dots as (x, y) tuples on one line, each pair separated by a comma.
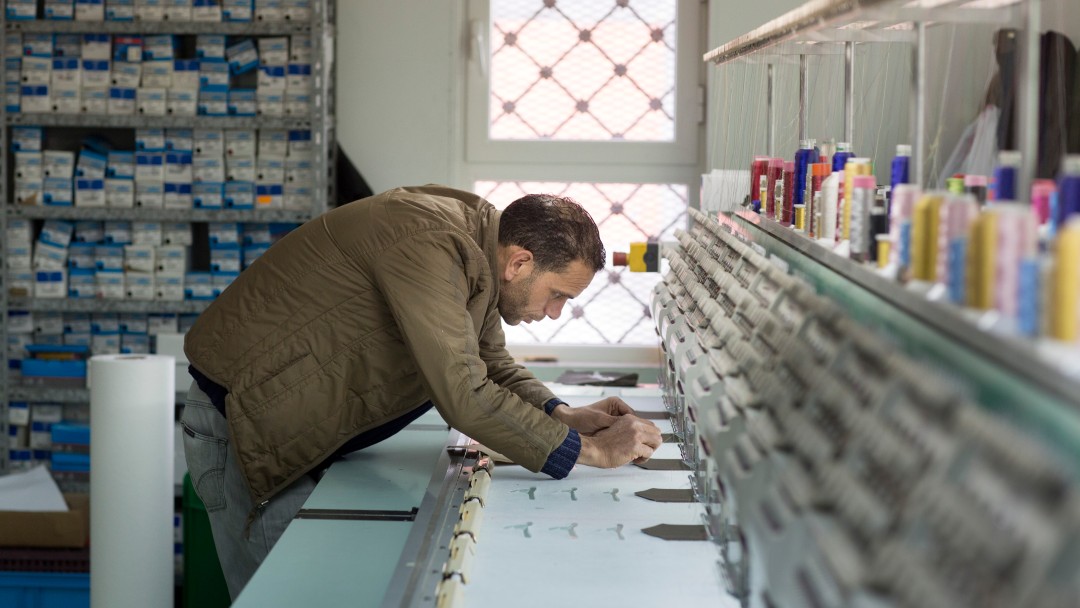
[(132, 407)]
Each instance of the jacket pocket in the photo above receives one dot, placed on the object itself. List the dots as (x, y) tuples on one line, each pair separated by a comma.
[(278, 381), (206, 463)]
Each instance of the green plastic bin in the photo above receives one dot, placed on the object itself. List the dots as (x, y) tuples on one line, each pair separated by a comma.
[(204, 584)]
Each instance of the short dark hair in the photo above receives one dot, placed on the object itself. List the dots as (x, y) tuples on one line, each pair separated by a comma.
[(555, 229)]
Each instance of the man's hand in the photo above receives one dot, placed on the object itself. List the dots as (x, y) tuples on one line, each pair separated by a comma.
[(628, 439), (592, 418)]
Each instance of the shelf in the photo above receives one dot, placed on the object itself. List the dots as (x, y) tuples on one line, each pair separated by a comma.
[(158, 215), (134, 121), (804, 30), (94, 305), (252, 28), (1013, 357), (50, 394)]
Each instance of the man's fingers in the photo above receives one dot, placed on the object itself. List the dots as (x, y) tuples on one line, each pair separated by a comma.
[(618, 407)]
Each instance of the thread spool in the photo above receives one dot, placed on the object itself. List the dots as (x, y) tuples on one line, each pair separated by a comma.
[(976, 186), (1065, 284), (787, 215), (901, 211), (774, 174), (829, 196), (982, 248), (960, 212), (854, 167), (758, 166), (924, 236), (1005, 175), (862, 202), (1042, 190)]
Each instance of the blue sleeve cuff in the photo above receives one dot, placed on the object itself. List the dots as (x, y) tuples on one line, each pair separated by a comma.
[(552, 404), (564, 457)]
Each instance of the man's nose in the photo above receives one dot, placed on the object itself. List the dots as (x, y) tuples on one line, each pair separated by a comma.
[(554, 310)]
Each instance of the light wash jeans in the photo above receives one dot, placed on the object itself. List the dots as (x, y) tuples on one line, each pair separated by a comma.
[(218, 481)]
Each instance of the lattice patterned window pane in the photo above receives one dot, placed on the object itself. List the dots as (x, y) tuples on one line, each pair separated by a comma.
[(584, 70), (614, 309)]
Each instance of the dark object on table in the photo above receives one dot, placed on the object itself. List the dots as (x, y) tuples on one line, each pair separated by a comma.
[(596, 378)]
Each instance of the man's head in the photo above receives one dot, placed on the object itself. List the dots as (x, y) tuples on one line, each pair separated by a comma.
[(549, 250)]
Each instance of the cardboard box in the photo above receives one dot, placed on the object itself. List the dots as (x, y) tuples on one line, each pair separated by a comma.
[(48, 529)]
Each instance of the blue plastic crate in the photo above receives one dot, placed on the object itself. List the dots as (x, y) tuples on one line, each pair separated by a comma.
[(44, 590)]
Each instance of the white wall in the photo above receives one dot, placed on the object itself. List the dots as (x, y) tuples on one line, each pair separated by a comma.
[(396, 102)]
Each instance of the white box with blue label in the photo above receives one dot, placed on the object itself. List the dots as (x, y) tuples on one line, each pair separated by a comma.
[(119, 193), (237, 10), (239, 195), (157, 73), (169, 288), (49, 257), (242, 56), (243, 102), (139, 258), (178, 167), (270, 171), (86, 231), (206, 10), (183, 102), (83, 256), (199, 286), (82, 283), (91, 164), (58, 164), (209, 142), (66, 72), (150, 167), (90, 10), (66, 100), (120, 164), (146, 233), (176, 233), (126, 74), (269, 10), (149, 10), (296, 10), (208, 169), (109, 257), (35, 99), (151, 101), (207, 195), (177, 10), (139, 285), (95, 100), (270, 103), (89, 192), (50, 283), (120, 10), (240, 143), (269, 196), (213, 100), (29, 166), (171, 260), (240, 169), (117, 232), (178, 196), (57, 191), (121, 101), (110, 284), (150, 195), (186, 74), (213, 72), (224, 233), (150, 140), (225, 259), (273, 143)]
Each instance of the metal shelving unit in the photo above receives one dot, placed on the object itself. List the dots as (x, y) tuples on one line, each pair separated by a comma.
[(100, 305), (136, 121), (252, 28), (319, 120), (158, 215)]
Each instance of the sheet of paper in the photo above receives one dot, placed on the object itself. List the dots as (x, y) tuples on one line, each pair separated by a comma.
[(33, 490), (569, 390), (641, 392)]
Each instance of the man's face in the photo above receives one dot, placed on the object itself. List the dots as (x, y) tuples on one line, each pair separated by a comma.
[(536, 295)]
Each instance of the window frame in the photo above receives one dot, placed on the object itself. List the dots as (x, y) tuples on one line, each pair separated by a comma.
[(683, 150)]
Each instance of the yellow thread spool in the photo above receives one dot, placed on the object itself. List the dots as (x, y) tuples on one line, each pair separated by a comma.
[(800, 217), (982, 252), (883, 250), (1065, 290), (853, 167), (924, 237)]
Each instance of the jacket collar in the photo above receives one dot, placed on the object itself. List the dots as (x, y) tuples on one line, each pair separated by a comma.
[(487, 235)]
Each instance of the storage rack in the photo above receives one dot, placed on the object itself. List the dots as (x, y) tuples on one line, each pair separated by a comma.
[(320, 122)]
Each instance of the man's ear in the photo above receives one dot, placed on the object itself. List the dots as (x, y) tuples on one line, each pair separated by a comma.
[(518, 263)]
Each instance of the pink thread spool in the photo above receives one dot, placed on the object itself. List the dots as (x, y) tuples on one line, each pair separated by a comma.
[(1041, 191), (1017, 238)]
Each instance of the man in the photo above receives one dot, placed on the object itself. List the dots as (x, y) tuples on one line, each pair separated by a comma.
[(360, 321)]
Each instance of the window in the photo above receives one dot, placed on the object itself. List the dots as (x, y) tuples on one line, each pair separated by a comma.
[(598, 100)]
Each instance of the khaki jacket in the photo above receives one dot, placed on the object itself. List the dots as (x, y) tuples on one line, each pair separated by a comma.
[(358, 317)]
